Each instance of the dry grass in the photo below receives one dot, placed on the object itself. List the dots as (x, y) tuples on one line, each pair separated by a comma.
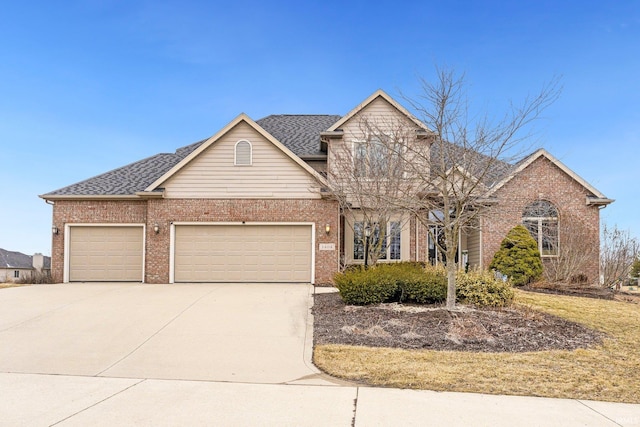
[(610, 372), (12, 285)]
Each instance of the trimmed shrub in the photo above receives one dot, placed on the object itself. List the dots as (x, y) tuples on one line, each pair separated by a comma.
[(412, 282), (362, 287), (404, 281), (425, 286), (481, 288), (518, 257)]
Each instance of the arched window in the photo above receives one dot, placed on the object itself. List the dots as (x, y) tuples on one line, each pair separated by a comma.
[(243, 154), (541, 219)]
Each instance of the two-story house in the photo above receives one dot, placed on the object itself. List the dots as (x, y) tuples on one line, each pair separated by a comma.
[(256, 202)]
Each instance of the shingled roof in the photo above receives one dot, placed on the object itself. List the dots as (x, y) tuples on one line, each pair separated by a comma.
[(129, 179), (10, 259), (478, 162), (299, 133)]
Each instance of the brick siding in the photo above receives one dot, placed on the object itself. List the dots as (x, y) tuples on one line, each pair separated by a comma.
[(165, 211), (543, 180)]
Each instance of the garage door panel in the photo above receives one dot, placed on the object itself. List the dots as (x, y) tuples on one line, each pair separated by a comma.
[(234, 253), (106, 253)]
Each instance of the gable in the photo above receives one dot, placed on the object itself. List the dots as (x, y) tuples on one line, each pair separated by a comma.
[(212, 172), (379, 114), (378, 118), (379, 104), (542, 179), (527, 167)]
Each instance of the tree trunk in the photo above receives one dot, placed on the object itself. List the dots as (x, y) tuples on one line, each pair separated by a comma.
[(451, 285)]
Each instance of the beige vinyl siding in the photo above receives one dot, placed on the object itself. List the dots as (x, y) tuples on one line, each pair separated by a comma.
[(213, 174), (384, 118), (473, 246), (106, 254), (243, 253)]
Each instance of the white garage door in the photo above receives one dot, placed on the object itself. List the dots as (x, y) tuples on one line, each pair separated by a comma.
[(242, 253), (106, 254)]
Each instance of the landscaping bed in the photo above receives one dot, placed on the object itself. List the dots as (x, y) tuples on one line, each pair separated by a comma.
[(431, 327), (607, 371)]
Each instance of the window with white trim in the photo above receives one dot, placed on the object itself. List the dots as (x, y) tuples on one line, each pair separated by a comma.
[(375, 157), (388, 243), (541, 219), (16, 274), (243, 153)]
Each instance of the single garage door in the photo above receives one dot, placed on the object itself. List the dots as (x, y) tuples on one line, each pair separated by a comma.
[(242, 253), (105, 254)]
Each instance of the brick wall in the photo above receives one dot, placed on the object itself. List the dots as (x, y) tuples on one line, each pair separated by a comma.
[(165, 211), (89, 211), (542, 180)]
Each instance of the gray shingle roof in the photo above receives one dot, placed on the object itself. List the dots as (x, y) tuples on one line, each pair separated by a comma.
[(10, 259), (299, 133), (475, 161), (129, 179)]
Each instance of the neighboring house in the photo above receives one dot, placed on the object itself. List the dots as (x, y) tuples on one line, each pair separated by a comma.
[(251, 204), (16, 265)]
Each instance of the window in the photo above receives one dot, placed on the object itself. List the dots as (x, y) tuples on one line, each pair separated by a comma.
[(16, 274), (389, 246), (243, 153), (373, 158), (541, 219)]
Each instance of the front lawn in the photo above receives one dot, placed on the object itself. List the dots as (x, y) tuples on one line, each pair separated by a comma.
[(608, 371)]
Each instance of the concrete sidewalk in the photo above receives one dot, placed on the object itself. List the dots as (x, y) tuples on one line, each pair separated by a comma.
[(44, 400)]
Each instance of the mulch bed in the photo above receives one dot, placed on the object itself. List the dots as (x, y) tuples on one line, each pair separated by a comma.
[(434, 328), (576, 290)]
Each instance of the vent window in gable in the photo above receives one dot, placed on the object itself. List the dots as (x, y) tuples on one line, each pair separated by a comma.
[(243, 153)]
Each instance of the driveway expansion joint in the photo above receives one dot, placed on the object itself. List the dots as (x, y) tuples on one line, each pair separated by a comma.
[(173, 319)]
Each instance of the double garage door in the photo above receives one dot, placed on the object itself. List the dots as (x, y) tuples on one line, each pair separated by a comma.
[(200, 253), (242, 253)]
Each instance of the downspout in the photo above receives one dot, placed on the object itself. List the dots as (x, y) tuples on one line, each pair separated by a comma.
[(338, 244), (481, 244), (417, 257)]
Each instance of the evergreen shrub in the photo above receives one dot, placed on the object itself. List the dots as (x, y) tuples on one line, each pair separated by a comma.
[(518, 257)]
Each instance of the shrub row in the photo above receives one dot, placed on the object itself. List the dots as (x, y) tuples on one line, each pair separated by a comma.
[(414, 282)]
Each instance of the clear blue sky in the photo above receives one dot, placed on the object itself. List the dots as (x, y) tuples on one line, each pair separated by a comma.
[(87, 86)]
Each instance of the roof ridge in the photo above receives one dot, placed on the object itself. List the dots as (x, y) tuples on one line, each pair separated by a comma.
[(299, 115)]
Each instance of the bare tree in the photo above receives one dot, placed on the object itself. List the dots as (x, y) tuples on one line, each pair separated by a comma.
[(465, 158), (575, 254), (367, 178), (617, 253)]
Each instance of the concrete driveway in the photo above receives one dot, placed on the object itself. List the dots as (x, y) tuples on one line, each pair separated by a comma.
[(254, 333), (214, 354)]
